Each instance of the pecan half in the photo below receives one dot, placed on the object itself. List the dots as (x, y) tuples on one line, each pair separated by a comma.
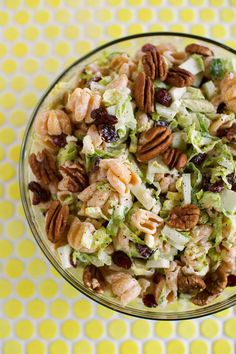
[(74, 179), (154, 142), (144, 93), (203, 298), (194, 48), (175, 158), (190, 284), (179, 77), (93, 279), (56, 222), (154, 65), (184, 218), (43, 167), (216, 281)]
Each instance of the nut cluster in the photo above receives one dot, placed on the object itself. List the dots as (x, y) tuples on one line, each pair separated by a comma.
[(144, 93), (175, 158), (93, 279), (154, 65), (184, 218), (43, 167), (179, 77), (154, 142), (56, 223), (74, 178)]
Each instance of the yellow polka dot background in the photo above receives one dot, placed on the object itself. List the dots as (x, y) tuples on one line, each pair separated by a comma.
[(40, 312)]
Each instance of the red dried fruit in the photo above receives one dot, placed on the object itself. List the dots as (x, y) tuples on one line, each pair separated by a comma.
[(231, 280), (163, 97), (59, 140), (101, 116), (121, 259), (198, 159), (40, 195), (216, 187), (109, 133), (149, 300), (144, 250)]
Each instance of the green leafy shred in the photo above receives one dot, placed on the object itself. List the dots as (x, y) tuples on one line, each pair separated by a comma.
[(67, 153)]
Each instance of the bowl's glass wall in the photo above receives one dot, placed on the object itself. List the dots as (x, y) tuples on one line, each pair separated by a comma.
[(177, 310)]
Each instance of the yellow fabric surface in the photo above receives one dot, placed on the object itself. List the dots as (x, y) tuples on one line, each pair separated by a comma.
[(40, 312)]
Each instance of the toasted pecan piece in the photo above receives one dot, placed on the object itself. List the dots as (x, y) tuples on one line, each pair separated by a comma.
[(93, 279), (74, 179), (179, 77), (56, 222), (154, 142), (175, 158), (43, 166), (203, 298), (216, 281), (184, 218), (154, 65), (190, 284), (194, 48), (144, 93)]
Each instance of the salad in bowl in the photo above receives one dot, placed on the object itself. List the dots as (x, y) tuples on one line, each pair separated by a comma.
[(132, 169)]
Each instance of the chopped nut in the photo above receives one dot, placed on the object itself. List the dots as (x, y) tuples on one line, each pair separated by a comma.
[(216, 281), (184, 218), (74, 178), (56, 222), (190, 284), (231, 133), (154, 65), (199, 49), (43, 167), (144, 93), (179, 77), (203, 298), (154, 142), (93, 279), (175, 158)]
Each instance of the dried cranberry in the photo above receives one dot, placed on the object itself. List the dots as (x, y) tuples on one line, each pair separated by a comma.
[(101, 116), (59, 140), (149, 300), (232, 180), (147, 47), (198, 159), (221, 108), (121, 259), (231, 280), (161, 123), (216, 187), (109, 133), (157, 277), (144, 250), (163, 97), (40, 195)]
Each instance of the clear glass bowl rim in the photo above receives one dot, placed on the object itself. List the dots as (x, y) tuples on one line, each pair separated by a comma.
[(185, 315)]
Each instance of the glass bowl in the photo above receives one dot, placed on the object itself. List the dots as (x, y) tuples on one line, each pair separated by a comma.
[(175, 311)]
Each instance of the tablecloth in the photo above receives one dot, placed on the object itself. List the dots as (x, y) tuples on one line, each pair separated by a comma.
[(40, 312)]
